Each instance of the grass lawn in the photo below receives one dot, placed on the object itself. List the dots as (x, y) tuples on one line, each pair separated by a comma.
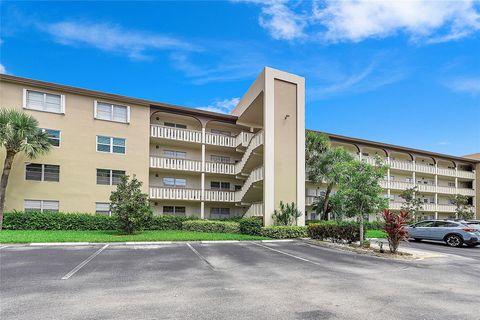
[(375, 234), (26, 236)]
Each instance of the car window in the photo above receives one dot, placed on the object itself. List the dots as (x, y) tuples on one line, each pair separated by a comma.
[(425, 224), (440, 224), (450, 225)]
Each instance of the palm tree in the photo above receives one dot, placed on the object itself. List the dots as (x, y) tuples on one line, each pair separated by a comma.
[(19, 132)]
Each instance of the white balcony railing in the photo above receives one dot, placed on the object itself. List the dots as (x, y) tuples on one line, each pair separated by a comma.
[(446, 172), (401, 165), (175, 164), (466, 191), (255, 210), (309, 200), (220, 195), (466, 174), (219, 167), (157, 131), (243, 139), (220, 140), (445, 208), (175, 193), (424, 168), (426, 188), (255, 142), (255, 176)]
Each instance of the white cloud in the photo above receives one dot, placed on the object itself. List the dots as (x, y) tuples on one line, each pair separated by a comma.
[(111, 37), (434, 21), (465, 85), (222, 106), (357, 20), (2, 69), (279, 19)]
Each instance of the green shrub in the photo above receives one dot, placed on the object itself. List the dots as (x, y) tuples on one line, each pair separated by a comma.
[(374, 225), (252, 225), (335, 231), (284, 232), (57, 221), (211, 226), (167, 222)]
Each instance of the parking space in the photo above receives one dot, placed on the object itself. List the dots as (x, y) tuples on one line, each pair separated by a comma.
[(246, 280), (441, 247)]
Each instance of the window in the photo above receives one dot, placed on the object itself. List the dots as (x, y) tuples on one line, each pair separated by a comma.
[(219, 213), (424, 224), (238, 187), (174, 182), (109, 177), (42, 172), (218, 185), (175, 125), (41, 101), (111, 112), (54, 136), (222, 132), (111, 145), (451, 184), (222, 159), (40, 205), (103, 208), (174, 210), (175, 154)]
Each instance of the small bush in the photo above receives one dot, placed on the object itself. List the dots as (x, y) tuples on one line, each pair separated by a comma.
[(395, 228), (167, 222), (284, 232), (211, 226), (374, 225), (57, 221), (335, 231), (252, 226)]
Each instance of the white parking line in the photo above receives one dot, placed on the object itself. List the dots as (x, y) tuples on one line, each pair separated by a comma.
[(287, 254), (200, 256), (81, 265), (2, 247)]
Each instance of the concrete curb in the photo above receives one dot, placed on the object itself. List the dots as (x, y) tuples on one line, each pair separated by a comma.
[(134, 243)]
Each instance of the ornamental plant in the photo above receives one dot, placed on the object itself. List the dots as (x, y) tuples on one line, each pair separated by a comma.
[(287, 215), (395, 228), (130, 206)]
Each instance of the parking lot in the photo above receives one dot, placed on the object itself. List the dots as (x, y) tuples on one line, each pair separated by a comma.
[(246, 280)]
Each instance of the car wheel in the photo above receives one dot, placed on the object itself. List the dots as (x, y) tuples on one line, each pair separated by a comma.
[(454, 240), (417, 239)]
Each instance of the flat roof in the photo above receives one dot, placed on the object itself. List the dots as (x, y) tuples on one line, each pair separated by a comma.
[(141, 102), (393, 147)]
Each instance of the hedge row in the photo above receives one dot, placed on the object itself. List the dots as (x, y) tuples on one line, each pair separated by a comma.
[(80, 221), (284, 232), (369, 225), (211, 226), (338, 231)]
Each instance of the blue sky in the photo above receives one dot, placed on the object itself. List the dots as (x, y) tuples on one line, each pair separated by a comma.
[(383, 71)]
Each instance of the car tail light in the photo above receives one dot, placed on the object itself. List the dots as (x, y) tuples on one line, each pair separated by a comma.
[(469, 230)]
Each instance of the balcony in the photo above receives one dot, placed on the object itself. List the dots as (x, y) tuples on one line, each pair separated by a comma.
[(309, 200), (186, 135), (163, 132), (219, 167), (428, 207), (175, 164), (255, 210), (445, 208), (220, 195), (163, 193)]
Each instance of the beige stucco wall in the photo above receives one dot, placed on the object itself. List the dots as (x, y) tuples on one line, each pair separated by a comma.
[(285, 142), (77, 155), (477, 191)]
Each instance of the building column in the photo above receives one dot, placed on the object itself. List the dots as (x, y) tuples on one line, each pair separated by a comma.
[(202, 204)]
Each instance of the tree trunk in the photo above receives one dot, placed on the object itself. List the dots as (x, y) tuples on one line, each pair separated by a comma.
[(325, 201), (361, 228), (7, 166)]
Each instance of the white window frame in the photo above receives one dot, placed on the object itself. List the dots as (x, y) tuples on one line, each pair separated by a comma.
[(110, 176), (95, 104), (42, 173), (174, 210), (59, 136), (42, 207), (100, 202), (111, 145), (175, 185), (166, 151), (175, 125), (62, 101)]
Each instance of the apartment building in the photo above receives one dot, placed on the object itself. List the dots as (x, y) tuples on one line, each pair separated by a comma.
[(194, 162), (437, 176)]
